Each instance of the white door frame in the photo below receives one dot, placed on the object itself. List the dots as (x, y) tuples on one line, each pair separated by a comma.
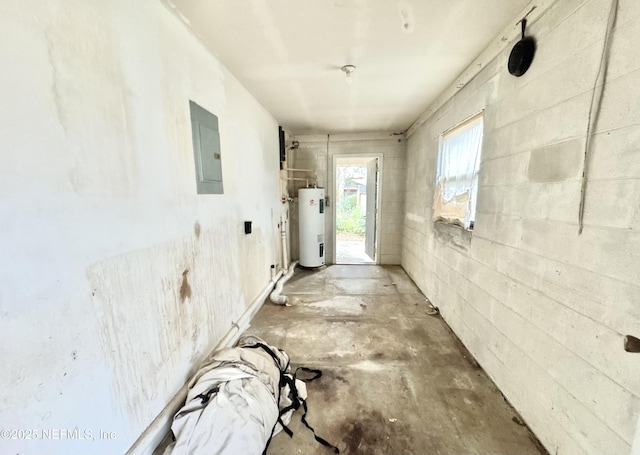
[(364, 156)]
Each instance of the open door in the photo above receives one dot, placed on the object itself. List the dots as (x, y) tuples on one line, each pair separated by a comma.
[(371, 215), (356, 192)]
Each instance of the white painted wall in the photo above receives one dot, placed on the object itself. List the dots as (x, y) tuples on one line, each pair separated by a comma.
[(635, 447), (542, 309), (100, 217), (316, 153)]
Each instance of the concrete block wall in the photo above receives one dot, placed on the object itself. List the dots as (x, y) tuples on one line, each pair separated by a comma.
[(317, 152), (543, 309)]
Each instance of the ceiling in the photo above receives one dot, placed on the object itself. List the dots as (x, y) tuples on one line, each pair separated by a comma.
[(288, 54)]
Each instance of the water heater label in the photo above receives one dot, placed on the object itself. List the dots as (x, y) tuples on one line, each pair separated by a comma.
[(320, 238)]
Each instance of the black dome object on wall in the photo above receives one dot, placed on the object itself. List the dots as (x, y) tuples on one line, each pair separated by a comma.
[(522, 54)]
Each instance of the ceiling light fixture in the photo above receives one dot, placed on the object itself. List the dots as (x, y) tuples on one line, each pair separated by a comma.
[(348, 69)]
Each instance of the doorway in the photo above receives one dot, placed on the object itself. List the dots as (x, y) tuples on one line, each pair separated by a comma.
[(356, 208)]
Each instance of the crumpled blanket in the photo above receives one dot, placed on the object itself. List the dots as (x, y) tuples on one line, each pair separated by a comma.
[(234, 401)]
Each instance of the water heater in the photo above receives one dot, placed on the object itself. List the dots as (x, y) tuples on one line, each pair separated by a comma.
[(311, 226)]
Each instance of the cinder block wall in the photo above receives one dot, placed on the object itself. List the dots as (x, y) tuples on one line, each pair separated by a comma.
[(543, 309), (317, 152)]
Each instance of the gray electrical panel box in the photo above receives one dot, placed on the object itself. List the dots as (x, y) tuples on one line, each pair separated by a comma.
[(206, 150)]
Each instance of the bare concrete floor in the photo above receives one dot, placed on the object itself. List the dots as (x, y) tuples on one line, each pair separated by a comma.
[(396, 380)]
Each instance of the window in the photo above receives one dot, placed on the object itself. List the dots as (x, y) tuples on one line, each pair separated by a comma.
[(457, 174), (206, 150)]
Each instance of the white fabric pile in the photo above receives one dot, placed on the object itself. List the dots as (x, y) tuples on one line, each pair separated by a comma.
[(232, 405)]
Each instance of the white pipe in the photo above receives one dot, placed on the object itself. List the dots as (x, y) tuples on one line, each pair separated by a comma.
[(283, 240), (275, 296), (298, 170), (158, 429), (243, 322)]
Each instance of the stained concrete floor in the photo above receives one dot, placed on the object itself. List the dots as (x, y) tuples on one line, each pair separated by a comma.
[(396, 380)]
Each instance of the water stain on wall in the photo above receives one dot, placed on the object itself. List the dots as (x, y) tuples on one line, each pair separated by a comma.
[(185, 288), (94, 107), (197, 229), (150, 339)]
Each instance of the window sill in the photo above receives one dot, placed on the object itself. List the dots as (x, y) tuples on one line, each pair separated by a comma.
[(453, 235)]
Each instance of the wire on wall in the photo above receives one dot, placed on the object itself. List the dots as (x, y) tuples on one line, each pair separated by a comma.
[(594, 109)]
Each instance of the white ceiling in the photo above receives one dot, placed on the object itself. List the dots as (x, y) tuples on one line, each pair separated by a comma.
[(288, 54)]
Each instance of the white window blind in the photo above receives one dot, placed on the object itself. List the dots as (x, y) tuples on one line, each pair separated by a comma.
[(457, 178)]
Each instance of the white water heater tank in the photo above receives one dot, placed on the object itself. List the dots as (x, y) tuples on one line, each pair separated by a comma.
[(311, 226)]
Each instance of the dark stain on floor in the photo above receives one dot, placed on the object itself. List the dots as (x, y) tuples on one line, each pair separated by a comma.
[(344, 319), (369, 432), (326, 386)]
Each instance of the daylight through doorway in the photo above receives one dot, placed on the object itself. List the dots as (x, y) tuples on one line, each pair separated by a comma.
[(355, 210)]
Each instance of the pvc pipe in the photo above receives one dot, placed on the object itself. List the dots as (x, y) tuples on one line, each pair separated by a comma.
[(243, 322), (300, 179), (283, 240), (298, 170), (275, 296)]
